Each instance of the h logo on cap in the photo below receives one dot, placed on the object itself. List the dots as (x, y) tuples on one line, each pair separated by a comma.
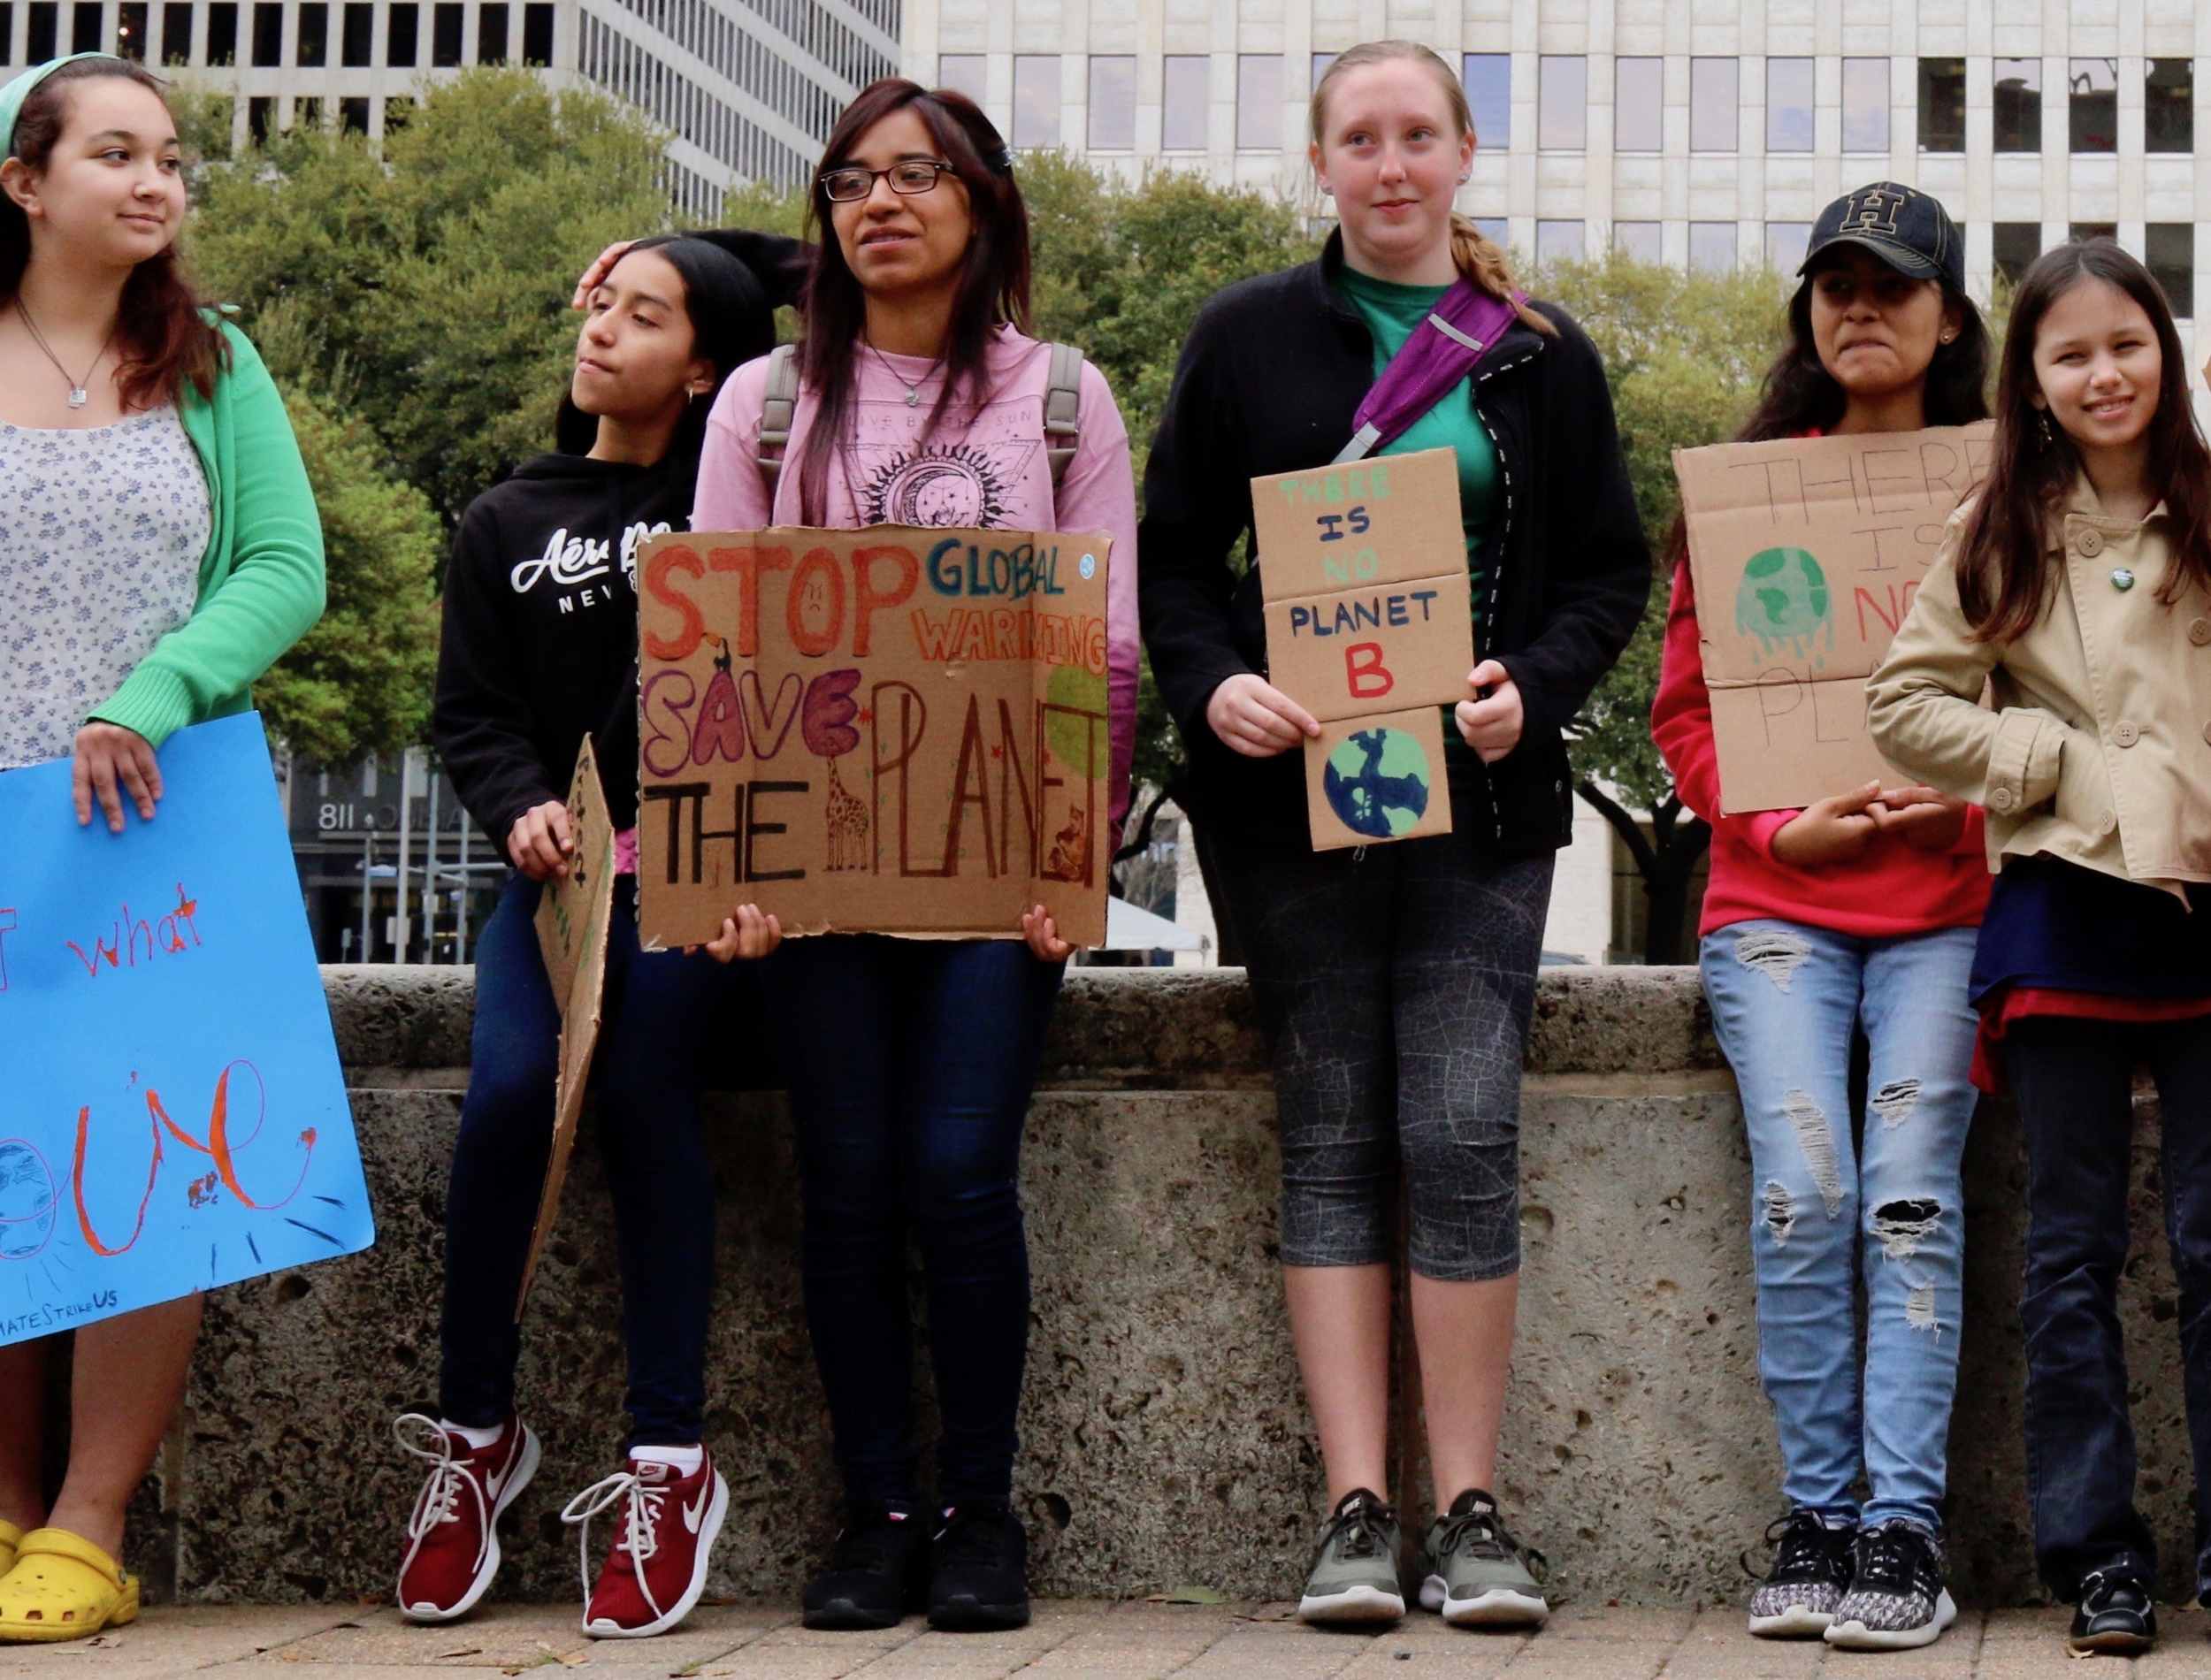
[(1873, 212)]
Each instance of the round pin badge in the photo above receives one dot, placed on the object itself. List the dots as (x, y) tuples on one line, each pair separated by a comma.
[(2123, 580), (1087, 567)]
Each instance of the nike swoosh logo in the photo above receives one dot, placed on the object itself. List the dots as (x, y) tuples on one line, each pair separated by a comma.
[(693, 1514)]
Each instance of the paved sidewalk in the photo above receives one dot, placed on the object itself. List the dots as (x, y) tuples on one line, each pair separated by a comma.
[(1068, 1641)]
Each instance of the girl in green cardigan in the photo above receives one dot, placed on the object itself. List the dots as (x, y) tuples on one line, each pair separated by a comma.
[(159, 548)]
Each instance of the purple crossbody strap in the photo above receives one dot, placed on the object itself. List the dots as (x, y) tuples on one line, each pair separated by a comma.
[(1465, 326)]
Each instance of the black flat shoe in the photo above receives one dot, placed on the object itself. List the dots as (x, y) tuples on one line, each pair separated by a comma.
[(2115, 1617), (978, 1572), (872, 1572)]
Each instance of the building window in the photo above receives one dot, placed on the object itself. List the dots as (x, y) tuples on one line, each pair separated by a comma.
[(1715, 99), (402, 33), (1113, 103), (1865, 104), (1320, 63), (307, 115), (1495, 229), (2092, 104), (1487, 77), (268, 34), (1639, 110), (445, 36), (313, 46), (1559, 242), (356, 42), (260, 119), (1942, 104), (1788, 104), (1185, 97), (44, 30), (2016, 245), (2018, 105), (964, 72), (1258, 101), (2169, 105), (7, 30), (176, 32), (353, 116), (1642, 241), (2080, 231), (130, 30), (2170, 253), (1712, 248), (490, 35), (1785, 245), (1037, 100), (1562, 103), (536, 33), (84, 27)]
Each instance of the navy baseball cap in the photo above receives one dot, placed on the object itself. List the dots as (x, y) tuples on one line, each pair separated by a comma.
[(1906, 228)]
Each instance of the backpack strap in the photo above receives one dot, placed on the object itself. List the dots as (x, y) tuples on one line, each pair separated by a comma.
[(778, 411), (1063, 397)]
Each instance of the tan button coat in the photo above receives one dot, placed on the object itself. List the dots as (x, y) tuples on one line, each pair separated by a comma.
[(2098, 749)]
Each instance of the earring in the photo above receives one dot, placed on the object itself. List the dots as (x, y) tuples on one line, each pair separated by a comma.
[(2048, 435), (1947, 337)]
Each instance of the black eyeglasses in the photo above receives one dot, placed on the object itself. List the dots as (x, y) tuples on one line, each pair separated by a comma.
[(908, 179)]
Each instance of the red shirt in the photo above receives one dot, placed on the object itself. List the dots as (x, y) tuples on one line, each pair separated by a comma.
[(1893, 888)]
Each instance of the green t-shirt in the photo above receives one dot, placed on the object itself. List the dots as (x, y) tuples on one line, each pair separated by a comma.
[(1391, 312)]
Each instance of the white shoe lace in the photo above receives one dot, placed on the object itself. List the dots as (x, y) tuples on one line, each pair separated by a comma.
[(640, 1525), (439, 1501)]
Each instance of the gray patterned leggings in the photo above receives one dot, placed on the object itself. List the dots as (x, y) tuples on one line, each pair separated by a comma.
[(1393, 985)]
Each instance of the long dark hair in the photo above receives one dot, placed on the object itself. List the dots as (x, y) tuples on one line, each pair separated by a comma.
[(732, 323), (2003, 566), (162, 333), (1799, 395), (993, 282)]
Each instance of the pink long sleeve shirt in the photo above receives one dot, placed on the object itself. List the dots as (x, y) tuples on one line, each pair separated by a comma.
[(980, 469)]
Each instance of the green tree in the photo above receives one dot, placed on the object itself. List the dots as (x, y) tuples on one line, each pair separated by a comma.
[(1684, 353)]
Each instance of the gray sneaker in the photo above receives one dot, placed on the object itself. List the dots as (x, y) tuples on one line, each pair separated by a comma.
[(1478, 1576), (1354, 1573)]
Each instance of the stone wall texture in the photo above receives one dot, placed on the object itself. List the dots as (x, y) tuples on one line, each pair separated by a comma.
[(1166, 1442)]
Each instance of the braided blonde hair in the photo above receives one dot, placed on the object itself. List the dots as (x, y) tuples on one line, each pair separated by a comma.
[(1473, 255)]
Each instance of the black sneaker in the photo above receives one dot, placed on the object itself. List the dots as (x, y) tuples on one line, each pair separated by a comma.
[(872, 1572), (1896, 1600), (1810, 1573), (978, 1570), (2115, 1617)]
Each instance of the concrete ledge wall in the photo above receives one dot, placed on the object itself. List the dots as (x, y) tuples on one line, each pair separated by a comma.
[(1165, 1439)]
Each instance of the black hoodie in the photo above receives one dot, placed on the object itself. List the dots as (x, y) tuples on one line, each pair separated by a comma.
[(540, 631)]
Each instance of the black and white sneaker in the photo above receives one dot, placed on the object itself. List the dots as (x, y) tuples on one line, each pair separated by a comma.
[(978, 1570), (874, 1573), (1896, 1600), (1810, 1573), (2114, 1618)]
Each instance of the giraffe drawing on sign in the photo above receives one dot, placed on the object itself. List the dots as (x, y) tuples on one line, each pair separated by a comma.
[(847, 822)]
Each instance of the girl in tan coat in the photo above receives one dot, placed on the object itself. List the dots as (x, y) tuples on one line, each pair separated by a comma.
[(2078, 588)]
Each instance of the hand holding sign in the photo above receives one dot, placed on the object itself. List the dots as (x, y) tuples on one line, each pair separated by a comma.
[(1491, 721), (1256, 719)]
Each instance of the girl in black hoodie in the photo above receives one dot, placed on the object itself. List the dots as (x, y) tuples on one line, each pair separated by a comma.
[(540, 648)]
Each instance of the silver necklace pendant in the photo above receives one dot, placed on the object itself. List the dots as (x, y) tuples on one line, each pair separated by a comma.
[(79, 396), (912, 396)]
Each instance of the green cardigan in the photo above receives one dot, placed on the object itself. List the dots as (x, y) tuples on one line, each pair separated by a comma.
[(260, 580)]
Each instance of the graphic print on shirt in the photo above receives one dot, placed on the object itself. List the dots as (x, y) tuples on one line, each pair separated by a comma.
[(962, 476), (571, 562)]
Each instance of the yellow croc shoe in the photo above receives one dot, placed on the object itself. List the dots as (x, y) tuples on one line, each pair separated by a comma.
[(62, 1587), (11, 1537)]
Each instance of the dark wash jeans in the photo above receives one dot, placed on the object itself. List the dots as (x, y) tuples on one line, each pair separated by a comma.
[(910, 1064), (659, 1024), (2073, 1080)]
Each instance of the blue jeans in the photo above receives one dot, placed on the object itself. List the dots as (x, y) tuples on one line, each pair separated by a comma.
[(1786, 1000), (909, 1064), (656, 1031)]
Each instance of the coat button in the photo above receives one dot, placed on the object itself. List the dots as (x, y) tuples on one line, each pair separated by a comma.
[(2125, 733), (2199, 631), (2004, 798), (2090, 542), (2106, 823)]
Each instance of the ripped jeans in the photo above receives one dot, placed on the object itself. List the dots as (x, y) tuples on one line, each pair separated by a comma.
[(1786, 1001)]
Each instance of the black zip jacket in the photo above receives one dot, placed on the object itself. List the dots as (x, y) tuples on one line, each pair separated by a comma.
[(1270, 378), (540, 632)]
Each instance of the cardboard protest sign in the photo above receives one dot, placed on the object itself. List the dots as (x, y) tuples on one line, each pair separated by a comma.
[(895, 729), (1370, 616), (573, 913), (1805, 553), (173, 1116)]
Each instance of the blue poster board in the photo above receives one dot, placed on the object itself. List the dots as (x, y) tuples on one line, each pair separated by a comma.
[(173, 1116)]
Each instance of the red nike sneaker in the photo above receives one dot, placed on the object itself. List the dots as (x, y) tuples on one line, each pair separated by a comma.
[(658, 1568), (453, 1536)]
